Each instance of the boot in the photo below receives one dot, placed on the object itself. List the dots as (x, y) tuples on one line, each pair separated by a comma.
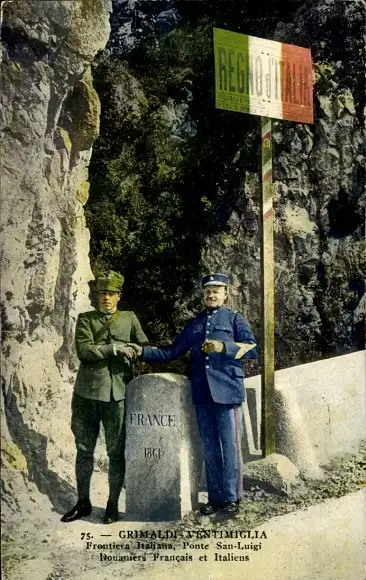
[(111, 512), (82, 509)]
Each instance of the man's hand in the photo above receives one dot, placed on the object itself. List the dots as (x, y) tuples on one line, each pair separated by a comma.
[(213, 346), (126, 350), (137, 349)]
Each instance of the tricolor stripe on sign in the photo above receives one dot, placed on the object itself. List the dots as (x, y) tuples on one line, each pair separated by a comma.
[(267, 195), (263, 77)]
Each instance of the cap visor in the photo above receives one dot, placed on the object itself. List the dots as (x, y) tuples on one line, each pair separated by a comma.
[(108, 287)]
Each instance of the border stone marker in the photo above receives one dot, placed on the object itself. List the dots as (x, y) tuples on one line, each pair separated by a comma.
[(163, 450)]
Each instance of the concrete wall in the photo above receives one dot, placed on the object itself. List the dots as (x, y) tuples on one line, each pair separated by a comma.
[(320, 406)]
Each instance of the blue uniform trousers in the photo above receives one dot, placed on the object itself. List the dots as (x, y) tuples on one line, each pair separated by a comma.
[(220, 429)]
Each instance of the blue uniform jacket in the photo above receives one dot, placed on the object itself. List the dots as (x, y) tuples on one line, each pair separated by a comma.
[(224, 372)]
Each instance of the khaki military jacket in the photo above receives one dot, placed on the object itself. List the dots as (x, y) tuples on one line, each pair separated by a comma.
[(102, 374)]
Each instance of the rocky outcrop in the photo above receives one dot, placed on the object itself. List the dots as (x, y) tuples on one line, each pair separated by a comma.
[(49, 120), (319, 175), (320, 253), (133, 21)]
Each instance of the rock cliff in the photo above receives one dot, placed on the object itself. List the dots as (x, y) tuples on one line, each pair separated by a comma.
[(49, 120), (319, 200)]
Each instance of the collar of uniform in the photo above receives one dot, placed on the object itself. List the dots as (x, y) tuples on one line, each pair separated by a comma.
[(109, 313)]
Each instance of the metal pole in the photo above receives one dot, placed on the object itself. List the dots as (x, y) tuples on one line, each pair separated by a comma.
[(268, 433)]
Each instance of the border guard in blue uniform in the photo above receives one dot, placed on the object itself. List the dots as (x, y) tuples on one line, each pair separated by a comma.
[(219, 340), (101, 338)]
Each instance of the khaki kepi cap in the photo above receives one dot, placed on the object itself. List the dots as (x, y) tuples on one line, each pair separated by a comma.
[(112, 281)]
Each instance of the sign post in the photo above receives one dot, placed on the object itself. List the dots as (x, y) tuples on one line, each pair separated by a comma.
[(273, 80), (267, 292)]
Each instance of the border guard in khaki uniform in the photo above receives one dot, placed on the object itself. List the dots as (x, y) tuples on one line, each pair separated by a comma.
[(99, 395)]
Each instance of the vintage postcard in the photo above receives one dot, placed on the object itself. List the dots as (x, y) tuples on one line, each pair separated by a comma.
[(183, 290)]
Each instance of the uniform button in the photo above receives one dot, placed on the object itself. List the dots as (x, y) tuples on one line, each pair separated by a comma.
[(207, 332), (207, 358), (207, 366), (214, 311), (208, 324)]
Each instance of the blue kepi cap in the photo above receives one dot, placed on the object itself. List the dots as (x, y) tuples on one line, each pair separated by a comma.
[(215, 280)]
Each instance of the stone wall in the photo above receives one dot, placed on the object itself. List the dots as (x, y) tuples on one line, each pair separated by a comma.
[(320, 409)]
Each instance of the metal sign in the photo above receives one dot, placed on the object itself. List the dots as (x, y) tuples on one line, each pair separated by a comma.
[(262, 77)]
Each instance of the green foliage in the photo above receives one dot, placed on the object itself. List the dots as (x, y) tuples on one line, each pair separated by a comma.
[(167, 66), (139, 210), (324, 77), (164, 155), (161, 182)]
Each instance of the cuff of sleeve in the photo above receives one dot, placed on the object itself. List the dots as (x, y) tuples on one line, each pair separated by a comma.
[(231, 349), (253, 353)]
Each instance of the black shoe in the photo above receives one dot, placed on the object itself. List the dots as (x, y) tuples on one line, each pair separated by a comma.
[(231, 508), (81, 510), (111, 513), (210, 508)]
